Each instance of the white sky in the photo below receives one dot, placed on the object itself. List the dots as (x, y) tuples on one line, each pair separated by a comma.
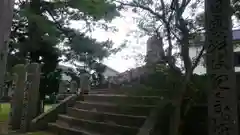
[(137, 46), (125, 25)]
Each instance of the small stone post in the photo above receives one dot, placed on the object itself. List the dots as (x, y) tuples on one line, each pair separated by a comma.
[(12, 91), (62, 87), (17, 98), (73, 87), (85, 83), (31, 96)]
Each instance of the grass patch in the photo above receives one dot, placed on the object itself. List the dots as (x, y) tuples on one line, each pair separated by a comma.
[(5, 109), (4, 113), (47, 107)]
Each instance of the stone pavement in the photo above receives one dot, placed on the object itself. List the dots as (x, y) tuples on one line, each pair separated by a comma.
[(3, 128)]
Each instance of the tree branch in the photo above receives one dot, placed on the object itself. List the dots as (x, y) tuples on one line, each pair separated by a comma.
[(58, 25), (168, 59), (134, 4)]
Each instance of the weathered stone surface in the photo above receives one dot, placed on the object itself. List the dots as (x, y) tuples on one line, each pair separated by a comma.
[(62, 87), (154, 49), (73, 87), (128, 76), (41, 121), (155, 54), (222, 106), (3, 128), (6, 15), (31, 96), (17, 99), (13, 89), (85, 82)]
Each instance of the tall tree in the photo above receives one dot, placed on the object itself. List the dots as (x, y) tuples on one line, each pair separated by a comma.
[(40, 26), (168, 20)]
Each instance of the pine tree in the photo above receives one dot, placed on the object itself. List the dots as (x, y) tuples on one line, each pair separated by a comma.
[(40, 26)]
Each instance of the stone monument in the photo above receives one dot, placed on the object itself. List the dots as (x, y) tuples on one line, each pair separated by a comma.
[(222, 102), (31, 96), (17, 98), (155, 52), (25, 98)]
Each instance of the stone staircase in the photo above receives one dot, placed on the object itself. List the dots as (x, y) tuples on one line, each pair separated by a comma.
[(105, 112)]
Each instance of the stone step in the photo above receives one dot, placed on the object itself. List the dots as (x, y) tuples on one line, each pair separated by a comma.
[(123, 99), (109, 91), (60, 129), (130, 91), (137, 110), (101, 127), (99, 92), (120, 119)]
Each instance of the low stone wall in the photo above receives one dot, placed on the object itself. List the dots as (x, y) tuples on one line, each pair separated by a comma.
[(41, 121), (128, 76), (5, 99)]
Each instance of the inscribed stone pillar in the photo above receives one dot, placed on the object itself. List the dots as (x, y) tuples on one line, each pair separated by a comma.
[(222, 102), (85, 83), (73, 87), (31, 96), (17, 99), (11, 94)]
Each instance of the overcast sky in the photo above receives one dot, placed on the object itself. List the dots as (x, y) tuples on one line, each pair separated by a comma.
[(125, 25), (124, 59)]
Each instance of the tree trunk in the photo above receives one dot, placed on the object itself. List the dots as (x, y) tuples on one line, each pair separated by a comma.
[(175, 120), (6, 16)]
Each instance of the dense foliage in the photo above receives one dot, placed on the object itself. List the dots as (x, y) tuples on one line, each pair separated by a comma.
[(40, 27)]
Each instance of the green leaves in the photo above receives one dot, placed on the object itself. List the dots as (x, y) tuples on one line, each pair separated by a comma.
[(81, 44), (40, 25), (98, 9), (43, 24)]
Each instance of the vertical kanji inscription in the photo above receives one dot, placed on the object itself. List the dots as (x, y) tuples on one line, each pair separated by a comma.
[(222, 102)]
